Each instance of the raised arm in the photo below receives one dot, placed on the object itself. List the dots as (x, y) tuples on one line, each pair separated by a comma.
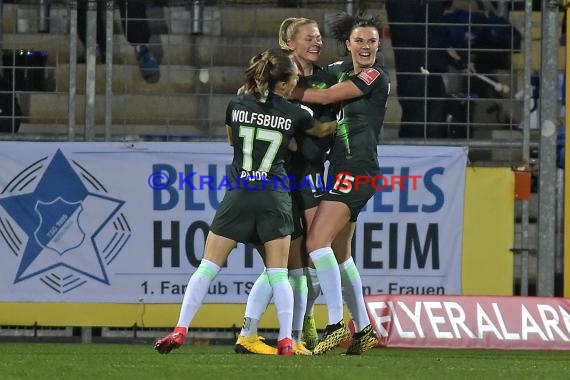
[(337, 93)]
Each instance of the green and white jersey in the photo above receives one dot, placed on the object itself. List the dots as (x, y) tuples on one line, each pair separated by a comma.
[(360, 119), (260, 134), (320, 79), (312, 150)]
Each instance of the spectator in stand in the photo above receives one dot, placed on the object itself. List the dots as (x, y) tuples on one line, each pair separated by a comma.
[(413, 29), (561, 138), (136, 28), (560, 147)]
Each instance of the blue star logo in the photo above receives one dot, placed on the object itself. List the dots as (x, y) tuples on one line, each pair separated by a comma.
[(67, 229)]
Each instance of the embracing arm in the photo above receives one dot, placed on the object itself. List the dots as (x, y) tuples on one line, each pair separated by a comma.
[(337, 93), (293, 146), (229, 135), (322, 129)]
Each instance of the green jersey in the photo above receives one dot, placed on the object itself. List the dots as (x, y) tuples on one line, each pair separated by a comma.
[(360, 119), (261, 132), (320, 79), (312, 150)]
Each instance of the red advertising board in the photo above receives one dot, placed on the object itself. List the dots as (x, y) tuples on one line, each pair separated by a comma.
[(471, 321)]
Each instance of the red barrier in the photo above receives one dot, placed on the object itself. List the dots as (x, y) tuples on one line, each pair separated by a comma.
[(521, 323)]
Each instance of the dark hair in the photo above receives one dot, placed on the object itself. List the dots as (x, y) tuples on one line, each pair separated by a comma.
[(265, 70), (343, 25)]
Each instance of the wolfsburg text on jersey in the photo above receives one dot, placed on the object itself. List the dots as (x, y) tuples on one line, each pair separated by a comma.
[(261, 119)]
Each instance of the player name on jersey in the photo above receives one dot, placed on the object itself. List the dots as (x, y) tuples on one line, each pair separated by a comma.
[(261, 119), (253, 175)]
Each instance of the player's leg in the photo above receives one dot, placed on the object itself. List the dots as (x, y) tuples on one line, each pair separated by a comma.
[(298, 283), (277, 251), (274, 226), (350, 278), (248, 341), (310, 335), (330, 218), (216, 253), (365, 336)]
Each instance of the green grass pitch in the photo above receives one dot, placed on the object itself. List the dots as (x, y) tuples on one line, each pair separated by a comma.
[(104, 361)]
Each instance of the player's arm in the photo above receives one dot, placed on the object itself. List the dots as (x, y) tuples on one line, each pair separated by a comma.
[(229, 110), (293, 146), (322, 129), (229, 135), (317, 128), (337, 93)]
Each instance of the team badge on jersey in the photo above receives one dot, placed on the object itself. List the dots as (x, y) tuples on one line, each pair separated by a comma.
[(369, 75)]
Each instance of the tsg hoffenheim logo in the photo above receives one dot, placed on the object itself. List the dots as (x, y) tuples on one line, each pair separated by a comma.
[(61, 223)]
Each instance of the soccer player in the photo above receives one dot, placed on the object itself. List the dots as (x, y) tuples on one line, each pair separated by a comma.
[(302, 38), (260, 124), (363, 91)]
